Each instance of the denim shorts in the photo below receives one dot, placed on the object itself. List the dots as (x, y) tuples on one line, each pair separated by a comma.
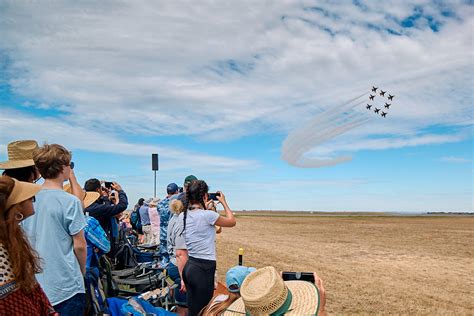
[(73, 306)]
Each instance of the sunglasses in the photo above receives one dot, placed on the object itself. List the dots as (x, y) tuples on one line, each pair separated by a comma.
[(33, 199)]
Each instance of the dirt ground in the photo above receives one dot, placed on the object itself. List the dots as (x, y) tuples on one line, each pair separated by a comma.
[(369, 264)]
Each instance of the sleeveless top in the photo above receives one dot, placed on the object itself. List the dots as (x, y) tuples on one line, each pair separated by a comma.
[(7, 279)]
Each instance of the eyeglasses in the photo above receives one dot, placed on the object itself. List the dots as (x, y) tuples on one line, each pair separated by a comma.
[(33, 199), (71, 164)]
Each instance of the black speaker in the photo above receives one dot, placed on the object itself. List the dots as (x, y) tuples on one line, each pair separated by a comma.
[(154, 162)]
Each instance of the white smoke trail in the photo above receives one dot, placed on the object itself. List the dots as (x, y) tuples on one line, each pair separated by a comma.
[(325, 126), (298, 149)]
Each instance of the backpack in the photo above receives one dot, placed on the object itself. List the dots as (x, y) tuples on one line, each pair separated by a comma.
[(95, 295), (135, 220)]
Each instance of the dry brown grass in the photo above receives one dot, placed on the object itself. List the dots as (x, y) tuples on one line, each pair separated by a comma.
[(369, 264)]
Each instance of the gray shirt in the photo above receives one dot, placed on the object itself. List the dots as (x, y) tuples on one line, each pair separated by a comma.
[(144, 216), (200, 233), (175, 238)]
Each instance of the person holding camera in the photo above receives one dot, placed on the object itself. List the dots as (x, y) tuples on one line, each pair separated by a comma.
[(200, 234), (103, 209)]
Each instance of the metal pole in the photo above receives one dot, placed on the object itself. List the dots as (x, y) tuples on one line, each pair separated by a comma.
[(154, 195)]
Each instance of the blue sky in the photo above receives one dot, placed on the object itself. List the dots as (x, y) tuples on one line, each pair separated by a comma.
[(216, 88)]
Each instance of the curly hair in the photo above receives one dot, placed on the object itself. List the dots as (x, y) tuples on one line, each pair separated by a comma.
[(51, 160), (24, 260), (195, 194)]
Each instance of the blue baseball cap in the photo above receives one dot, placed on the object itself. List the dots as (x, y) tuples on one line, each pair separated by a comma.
[(172, 188), (235, 276)]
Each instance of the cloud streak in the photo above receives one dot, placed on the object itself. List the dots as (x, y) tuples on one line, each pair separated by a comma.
[(54, 130), (246, 69)]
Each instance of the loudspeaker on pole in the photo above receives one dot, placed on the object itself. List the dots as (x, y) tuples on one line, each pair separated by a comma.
[(154, 162)]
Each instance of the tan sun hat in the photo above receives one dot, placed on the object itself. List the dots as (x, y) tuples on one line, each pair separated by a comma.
[(154, 202), (89, 197), (22, 191), (20, 154), (264, 292)]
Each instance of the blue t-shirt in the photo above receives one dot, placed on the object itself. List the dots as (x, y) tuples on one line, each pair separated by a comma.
[(58, 216), (200, 233), (144, 216)]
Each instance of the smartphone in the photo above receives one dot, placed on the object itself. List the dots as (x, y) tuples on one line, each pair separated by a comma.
[(213, 196), (298, 276), (108, 185)]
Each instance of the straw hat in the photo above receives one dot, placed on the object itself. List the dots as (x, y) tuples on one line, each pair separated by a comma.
[(20, 154), (264, 292), (89, 197), (154, 202), (22, 191)]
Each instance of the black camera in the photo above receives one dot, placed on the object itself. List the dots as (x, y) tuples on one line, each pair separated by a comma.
[(108, 185), (298, 276), (213, 196)]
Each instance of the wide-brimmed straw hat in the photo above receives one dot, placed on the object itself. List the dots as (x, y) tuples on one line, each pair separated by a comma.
[(20, 154), (264, 292), (22, 191), (89, 197)]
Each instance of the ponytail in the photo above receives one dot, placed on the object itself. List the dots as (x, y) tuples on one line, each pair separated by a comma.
[(195, 193)]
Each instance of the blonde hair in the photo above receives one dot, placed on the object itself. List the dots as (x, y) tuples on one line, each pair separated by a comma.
[(176, 206)]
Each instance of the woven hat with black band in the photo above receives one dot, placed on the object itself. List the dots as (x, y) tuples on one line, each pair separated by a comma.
[(20, 154), (264, 292)]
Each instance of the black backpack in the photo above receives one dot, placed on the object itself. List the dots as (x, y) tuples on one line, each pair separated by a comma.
[(136, 221)]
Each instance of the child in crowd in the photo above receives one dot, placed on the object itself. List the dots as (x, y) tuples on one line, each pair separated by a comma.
[(57, 232)]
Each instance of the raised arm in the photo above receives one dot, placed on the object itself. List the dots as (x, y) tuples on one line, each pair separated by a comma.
[(228, 220)]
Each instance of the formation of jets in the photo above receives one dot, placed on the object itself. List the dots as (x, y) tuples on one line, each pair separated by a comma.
[(382, 94)]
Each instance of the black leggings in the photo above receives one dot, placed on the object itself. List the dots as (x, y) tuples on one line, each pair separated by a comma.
[(198, 276)]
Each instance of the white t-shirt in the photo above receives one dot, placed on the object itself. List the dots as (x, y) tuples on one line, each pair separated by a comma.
[(200, 233)]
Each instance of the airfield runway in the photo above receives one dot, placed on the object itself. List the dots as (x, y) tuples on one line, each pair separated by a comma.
[(369, 264)]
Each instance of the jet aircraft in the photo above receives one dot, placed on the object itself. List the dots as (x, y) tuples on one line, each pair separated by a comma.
[(376, 110), (372, 97), (390, 97), (374, 89), (387, 105), (382, 93), (368, 106), (383, 114)]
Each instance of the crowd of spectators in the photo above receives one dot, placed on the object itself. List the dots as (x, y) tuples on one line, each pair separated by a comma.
[(53, 234)]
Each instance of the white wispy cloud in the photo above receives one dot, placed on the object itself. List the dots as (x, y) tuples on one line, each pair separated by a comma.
[(15, 125), (218, 71), (453, 159)]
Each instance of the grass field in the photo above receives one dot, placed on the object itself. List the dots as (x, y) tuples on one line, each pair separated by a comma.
[(369, 264)]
